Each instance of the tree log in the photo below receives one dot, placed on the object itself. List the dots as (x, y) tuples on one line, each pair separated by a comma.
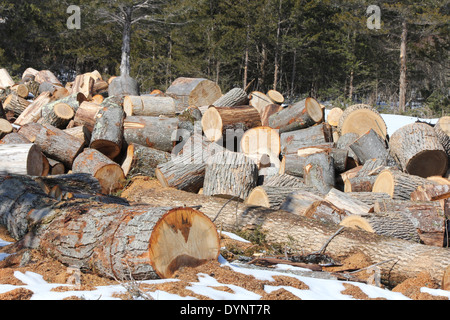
[(153, 132), (34, 110), (345, 202), (318, 171), (230, 174), (143, 161), (300, 115), (149, 106), (5, 79), (267, 111), (418, 150), (87, 114), (275, 96), (57, 115), (193, 92), (431, 192), (14, 138), (272, 197), (217, 121), (15, 104), (55, 143), (234, 97), (47, 76), (300, 201), (5, 128), (325, 212), (334, 115), (310, 235), (84, 83), (108, 132), (123, 86), (284, 180), (23, 159), (109, 174), (259, 100), (80, 132), (368, 197), (309, 137), (261, 140), (370, 146), (442, 129), (360, 118)]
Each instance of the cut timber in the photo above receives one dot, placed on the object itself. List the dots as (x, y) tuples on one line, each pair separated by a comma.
[(186, 170), (446, 279), (344, 142), (272, 197), (25, 159), (87, 114), (149, 106), (56, 167), (259, 100), (80, 132), (123, 86), (388, 224), (55, 143), (58, 116), (294, 163), (318, 171), (428, 218), (14, 138), (370, 146), (84, 83), (30, 72), (275, 96), (418, 150), (431, 192), (234, 97), (153, 132), (5, 79), (113, 240), (230, 174), (359, 184), (34, 110), (300, 201), (284, 180), (47, 76), (334, 115), (397, 184), (267, 111), (109, 174), (193, 92), (369, 198), (21, 90), (281, 227), (314, 136), (5, 127), (364, 177), (143, 161), (345, 202), (261, 140), (442, 129), (15, 104), (360, 118), (300, 115), (217, 121), (325, 212), (107, 135)]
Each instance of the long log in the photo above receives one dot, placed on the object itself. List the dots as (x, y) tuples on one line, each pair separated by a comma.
[(359, 119), (149, 106), (408, 258), (312, 136), (234, 97), (23, 159), (370, 146), (142, 160), (112, 240), (34, 111)]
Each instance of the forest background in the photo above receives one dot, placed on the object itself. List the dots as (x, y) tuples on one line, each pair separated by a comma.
[(391, 54)]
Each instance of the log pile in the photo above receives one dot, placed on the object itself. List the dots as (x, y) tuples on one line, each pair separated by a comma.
[(255, 149)]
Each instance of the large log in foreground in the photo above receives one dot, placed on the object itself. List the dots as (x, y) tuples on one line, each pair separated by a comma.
[(123, 242), (406, 258)]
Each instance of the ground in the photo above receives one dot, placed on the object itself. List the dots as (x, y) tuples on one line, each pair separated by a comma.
[(54, 272)]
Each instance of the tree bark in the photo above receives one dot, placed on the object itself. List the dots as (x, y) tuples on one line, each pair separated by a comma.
[(234, 97), (149, 106), (309, 137), (143, 161), (370, 146), (403, 68), (194, 92), (34, 110)]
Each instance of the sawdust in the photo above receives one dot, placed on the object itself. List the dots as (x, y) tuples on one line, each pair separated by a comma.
[(411, 287)]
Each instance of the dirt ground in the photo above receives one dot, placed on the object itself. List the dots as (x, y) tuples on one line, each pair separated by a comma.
[(54, 272)]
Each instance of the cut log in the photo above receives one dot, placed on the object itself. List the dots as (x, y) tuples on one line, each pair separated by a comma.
[(275, 96), (368, 197), (34, 110), (84, 83), (15, 104), (446, 279), (300, 201), (261, 140), (284, 180), (113, 240), (230, 174), (86, 114), (418, 150), (325, 212), (5, 79), (107, 135), (318, 170), (359, 184), (428, 218), (5, 128), (57, 115), (14, 138), (431, 192), (272, 197), (123, 86), (281, 227), (55, 143), (334, 115), (80, 132), (30, 72), (47, 76), (109, 174), (397, 184), (370, 146), (300, 115), (153, 132), (193, 92), (186, 169), (56, 167), (344, 142), (234, 97), (217, 121), (33, 88), (21, 90), (259, 100), (26, 159), (388, 224), (345, 202), (442, 129), (267, 111), (142, 161), (309, 137), (360, 118), (149, 106)]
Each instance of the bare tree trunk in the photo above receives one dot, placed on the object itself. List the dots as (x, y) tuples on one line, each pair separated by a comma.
[(126, 44), (402, 93), (277, 50)]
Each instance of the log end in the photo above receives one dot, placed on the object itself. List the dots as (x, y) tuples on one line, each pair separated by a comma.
[(258, 197), (183, 237), (212, 124), (428, 163), (314, 110), (108, 148)]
